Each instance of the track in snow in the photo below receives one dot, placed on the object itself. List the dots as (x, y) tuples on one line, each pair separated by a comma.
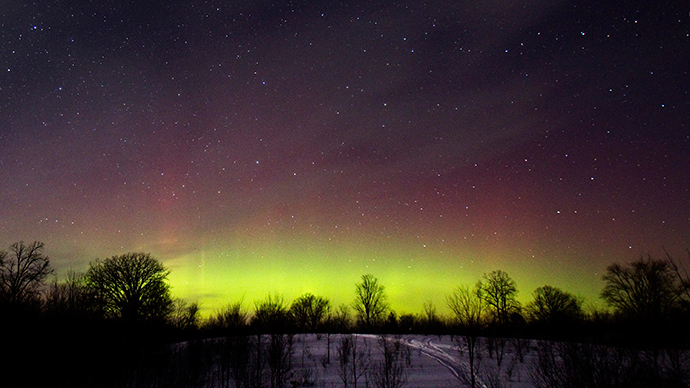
[(439, 353)]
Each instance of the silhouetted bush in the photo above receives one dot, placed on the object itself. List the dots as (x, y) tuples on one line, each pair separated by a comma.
[(229, 320), (271, 315)]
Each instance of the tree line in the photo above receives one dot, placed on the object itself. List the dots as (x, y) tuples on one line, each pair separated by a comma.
[(133, 289), (125, 302)]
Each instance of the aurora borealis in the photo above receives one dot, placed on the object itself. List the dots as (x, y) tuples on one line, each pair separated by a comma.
[(293, 146)]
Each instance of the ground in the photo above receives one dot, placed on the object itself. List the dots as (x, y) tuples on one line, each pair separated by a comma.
[(434, 361)]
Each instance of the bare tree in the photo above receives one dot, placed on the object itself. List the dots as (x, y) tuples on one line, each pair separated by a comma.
[(240, 354), (408, 322), (645, 289), (552, 305), (430, 319), (370, 302), (185, 315), (683, 280), (23, 272), (576, 365), (132, 287), (280, 359), (499, 293), (391, 370), (232, 318), (344, 358), (340, 320), (71, 296), (467, 307), (271, 315), (310, 312), (468, 310), (353, 360)]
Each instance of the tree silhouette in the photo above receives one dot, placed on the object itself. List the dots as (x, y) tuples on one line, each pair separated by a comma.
[(645, 289), (391, 370), (430, 320), (552, 305), (185, 316), (22, 272), (370, 301), (232, 318), (467, 307), (683, 282), (353, 357), (132, 287), (468, 310), (70, 297), (499, 292), (310, 311), (340, 319), (271, 315)]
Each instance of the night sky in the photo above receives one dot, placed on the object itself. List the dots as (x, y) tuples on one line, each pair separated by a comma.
[(293, 146)]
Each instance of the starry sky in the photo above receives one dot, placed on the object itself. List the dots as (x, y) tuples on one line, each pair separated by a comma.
[(292, 146)]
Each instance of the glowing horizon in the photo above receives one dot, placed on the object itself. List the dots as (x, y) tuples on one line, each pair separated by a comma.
[(412, 272)]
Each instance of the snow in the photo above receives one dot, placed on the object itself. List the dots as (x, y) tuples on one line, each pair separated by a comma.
[(443, 361), (435, 361)]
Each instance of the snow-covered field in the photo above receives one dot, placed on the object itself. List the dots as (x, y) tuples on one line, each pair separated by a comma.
[(434, 361), (318, 360)]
